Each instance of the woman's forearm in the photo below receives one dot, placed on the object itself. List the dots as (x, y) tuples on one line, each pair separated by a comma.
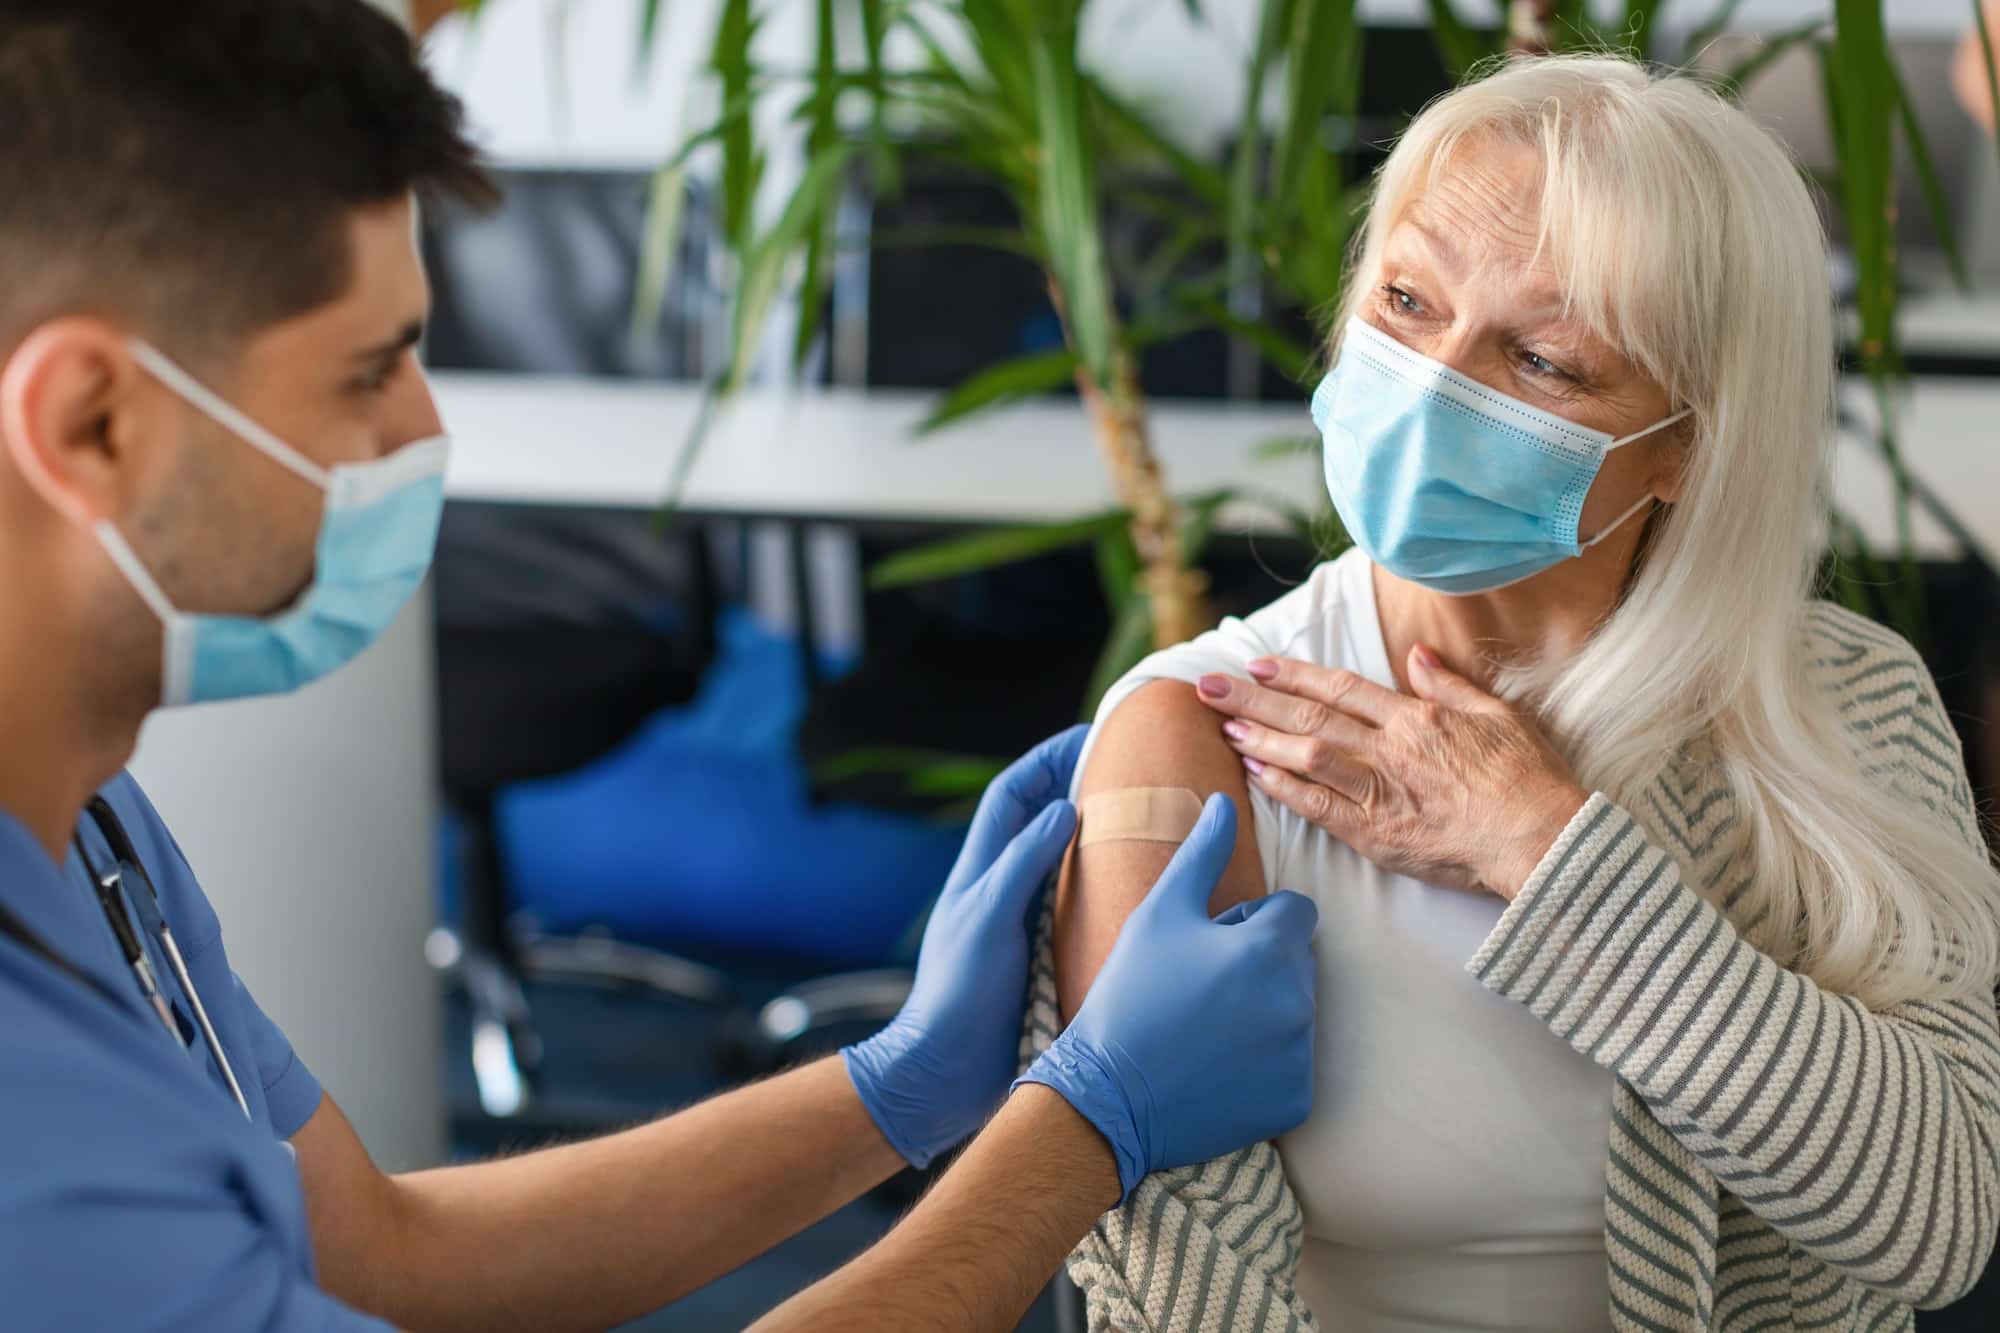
[(975, 1252), (1871, 1140)]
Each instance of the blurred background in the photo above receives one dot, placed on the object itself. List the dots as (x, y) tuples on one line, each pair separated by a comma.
[(778, 522)]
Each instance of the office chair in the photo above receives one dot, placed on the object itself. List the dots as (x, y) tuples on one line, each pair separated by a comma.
[(526, 691), (560, 633)]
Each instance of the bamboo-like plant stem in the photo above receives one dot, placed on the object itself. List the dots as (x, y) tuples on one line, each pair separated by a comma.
[(1178, 593)]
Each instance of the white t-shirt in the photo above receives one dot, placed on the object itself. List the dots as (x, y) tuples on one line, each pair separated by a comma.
[(1452, 1173)]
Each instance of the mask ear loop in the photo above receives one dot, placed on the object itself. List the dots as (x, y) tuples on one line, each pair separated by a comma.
[(225, 413), (1661, 424), (1618, 522), (1644, 500)]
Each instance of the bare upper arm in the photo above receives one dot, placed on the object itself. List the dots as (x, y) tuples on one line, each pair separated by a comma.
[(1163, 736), (350, 1205)]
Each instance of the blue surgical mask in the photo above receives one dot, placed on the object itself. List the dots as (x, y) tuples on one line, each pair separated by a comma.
[(378, 528), (1448, 483)]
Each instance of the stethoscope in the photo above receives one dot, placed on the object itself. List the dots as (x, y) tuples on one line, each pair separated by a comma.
[(109, 887)]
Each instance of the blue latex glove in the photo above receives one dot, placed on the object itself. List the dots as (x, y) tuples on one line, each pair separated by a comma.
[(1197, 1036), (936, 1072)]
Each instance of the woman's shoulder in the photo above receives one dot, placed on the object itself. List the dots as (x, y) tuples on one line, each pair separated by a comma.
[(1313, 622), (1885, 695), (1851, 656)]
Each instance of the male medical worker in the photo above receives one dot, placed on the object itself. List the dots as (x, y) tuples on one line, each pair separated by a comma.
[(220, 477)]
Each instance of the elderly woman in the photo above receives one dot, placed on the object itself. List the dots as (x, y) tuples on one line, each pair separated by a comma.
[(1658, 941)]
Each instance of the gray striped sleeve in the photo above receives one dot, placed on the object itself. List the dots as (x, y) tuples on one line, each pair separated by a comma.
[(1896, 1184)]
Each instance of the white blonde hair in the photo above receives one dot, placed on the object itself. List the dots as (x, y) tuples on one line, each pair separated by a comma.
[(1685, 237)]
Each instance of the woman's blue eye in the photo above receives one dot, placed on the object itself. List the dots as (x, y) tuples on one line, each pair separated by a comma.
[(1402, 299), (1541, 365)]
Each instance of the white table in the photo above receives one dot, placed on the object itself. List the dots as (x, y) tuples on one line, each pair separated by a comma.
[(838, 454)]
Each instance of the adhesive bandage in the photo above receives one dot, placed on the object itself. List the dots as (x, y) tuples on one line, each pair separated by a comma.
[(1138, 814)]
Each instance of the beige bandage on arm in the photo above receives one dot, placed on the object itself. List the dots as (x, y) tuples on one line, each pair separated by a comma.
[(1137, 814)]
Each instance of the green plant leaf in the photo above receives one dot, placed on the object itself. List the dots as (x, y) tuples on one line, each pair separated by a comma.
[(814, 285), (1006, 382), (1284, 446), (742, 166), (649, 28), (1291, 358), (876, 20), (1151, 283), (933, 773), (1865, 99), (984, 238), (1636, 33), (688, 454), (1322, 78), (1205, 181), (1738, 76), (1072, 235), (1117, 566), (659, 245), (1942, 220), (989, 548), (1131, 638), (1458, 44), (1711, 28), (1198, 520), (1005, 34), (1576, 29), (1246, 165), (763, 271)]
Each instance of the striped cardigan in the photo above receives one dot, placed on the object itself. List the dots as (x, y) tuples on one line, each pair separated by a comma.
[(1781, 1156)]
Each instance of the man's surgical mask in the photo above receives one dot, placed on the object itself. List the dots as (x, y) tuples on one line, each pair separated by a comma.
[(1446, 482), (378, 529)]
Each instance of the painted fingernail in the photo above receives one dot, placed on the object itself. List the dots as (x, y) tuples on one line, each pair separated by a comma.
[(1236, 730), (1256, 766), (1213, 687), (1427, 657), (1263, 668)]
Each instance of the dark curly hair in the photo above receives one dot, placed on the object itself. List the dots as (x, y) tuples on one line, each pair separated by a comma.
[(191, 167)]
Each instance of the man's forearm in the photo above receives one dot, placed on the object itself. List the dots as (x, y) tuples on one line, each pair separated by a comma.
[(597, 1233), (974, 1253)]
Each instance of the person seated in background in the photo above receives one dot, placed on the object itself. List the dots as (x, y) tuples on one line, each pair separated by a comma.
[(1618, 835)]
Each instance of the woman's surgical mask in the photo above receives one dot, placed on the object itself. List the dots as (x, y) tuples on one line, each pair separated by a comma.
[(1445, 482), (378, 528)]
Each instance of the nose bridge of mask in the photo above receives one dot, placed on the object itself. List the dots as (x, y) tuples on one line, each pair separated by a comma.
[(225, 413), (1437, 377)]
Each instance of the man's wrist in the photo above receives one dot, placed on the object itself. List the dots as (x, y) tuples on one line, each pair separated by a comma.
[(1097, 1178), (870, 1068), (1074, 1074)]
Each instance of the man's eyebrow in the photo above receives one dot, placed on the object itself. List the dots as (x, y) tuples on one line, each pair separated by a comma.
[(411, 334)]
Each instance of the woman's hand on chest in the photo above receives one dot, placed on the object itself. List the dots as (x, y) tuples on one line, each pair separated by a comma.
[(1452, 786)]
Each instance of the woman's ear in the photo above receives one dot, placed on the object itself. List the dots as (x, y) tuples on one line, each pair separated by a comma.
[(72, 408)]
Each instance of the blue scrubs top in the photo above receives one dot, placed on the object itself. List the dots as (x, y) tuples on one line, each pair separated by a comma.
[(133, 1193)]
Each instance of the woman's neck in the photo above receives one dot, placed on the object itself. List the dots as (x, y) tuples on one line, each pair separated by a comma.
[(1544, 618)]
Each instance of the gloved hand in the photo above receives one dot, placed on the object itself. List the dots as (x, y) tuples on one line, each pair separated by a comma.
[(934, 1074), (1197, 1036)]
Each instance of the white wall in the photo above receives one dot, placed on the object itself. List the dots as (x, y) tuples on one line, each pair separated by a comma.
[(308, 819), (553, 81)]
